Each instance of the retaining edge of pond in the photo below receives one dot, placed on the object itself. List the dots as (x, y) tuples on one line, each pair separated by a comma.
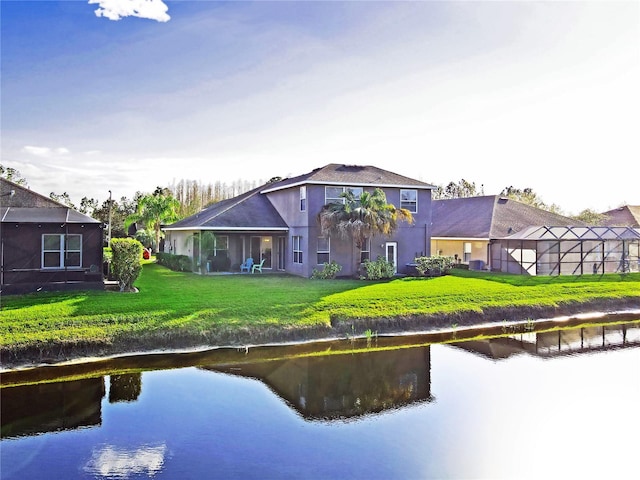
[(453, 327)]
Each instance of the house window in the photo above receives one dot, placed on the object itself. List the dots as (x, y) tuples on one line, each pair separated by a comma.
[(365, 253), (61, 251), (323, 250), (221, 246), (303, 198), (467, 252), (409, 200), (297, 248), (334, 194)]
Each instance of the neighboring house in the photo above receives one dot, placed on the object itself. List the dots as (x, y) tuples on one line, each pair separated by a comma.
[(627, 216), (277, 223), (464, 227), (46, 245)]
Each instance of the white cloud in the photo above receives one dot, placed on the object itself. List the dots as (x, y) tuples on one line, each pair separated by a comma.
[(45, 152), (117, 9)]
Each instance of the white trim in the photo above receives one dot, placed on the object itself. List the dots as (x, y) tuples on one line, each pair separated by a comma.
[(230, 229), (395, 254), (470, 239)]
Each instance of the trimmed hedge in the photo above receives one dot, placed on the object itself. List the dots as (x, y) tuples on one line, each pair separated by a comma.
[(434, 266), (377, 270), (127, 262), (178, 263)]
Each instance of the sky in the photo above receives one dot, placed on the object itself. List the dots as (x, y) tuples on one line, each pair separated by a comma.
[(127, 95)]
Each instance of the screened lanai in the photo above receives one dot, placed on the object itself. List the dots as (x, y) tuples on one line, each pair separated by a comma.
[(567, 251)]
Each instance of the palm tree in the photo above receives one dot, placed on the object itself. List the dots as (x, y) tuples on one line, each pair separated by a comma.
[(362, 218), (154, 210)]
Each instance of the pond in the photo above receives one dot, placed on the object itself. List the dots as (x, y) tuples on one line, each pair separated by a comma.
[(556, 403)]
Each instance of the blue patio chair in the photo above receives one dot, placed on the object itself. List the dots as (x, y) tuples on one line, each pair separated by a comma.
[(257, 267), (247, 265)]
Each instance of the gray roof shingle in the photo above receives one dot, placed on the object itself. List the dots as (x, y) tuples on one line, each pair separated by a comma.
[(360, 175), (627, 215), (490, 216), (43, 215), (19, 204), (248, 211)]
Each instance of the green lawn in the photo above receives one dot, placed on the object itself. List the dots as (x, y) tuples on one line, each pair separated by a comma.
[(175, 303)]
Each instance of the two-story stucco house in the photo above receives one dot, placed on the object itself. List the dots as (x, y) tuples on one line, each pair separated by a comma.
[(278, 223)]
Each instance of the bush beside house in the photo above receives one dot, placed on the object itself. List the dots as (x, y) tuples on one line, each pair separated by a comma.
[(127, 262)]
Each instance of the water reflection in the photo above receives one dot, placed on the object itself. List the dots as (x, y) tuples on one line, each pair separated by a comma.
[(329, 386), (49, 407), (344, 385), (113, 462), (556, 343), (125, 387), (343, 409)]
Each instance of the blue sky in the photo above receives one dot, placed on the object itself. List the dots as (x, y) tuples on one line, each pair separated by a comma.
[(531, 94)]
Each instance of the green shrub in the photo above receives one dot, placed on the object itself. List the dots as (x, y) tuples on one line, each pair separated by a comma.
[(377, 270), (127, 261), (434, 266), (178, 263), (329, 270)]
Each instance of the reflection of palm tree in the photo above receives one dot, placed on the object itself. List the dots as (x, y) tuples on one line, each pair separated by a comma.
[(362, 218)]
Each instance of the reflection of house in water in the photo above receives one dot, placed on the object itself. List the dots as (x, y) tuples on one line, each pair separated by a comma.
[(49, 407), (345, 385), (558, 342)]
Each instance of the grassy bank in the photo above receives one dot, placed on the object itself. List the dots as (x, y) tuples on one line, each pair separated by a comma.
[(172, 305)]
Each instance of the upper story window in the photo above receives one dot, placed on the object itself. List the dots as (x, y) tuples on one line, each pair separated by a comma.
[(409, 200), (334, 194), (303, 198), (61, 251)]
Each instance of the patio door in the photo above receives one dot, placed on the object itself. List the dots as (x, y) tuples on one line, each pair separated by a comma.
[(261, 248), (391, 254)]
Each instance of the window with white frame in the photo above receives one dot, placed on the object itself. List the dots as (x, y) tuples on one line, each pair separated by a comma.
[(303, 198), (297, 248), (334, 194), (467, 252), (365, 252), (409, 200), (324, 246), (221, 246), (61, 251)]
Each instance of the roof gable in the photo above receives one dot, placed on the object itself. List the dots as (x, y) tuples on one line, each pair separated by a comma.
[(14, 195), (19, 204), (627, 215), (353, 175)]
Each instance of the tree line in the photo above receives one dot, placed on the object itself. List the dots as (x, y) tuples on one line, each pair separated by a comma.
[(186, 197)]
